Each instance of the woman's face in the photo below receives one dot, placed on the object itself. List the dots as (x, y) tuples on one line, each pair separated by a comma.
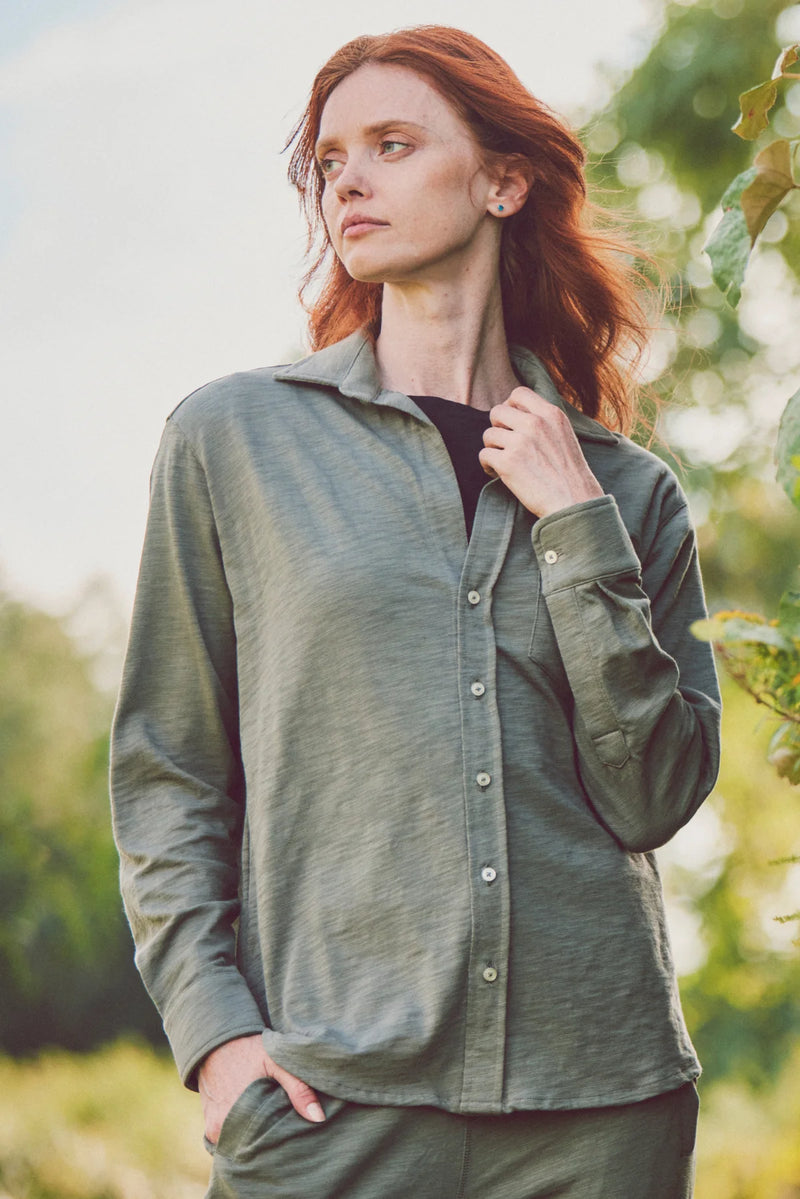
[(406, 195)]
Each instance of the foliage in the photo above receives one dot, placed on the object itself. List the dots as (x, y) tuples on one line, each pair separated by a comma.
[(748, 1146), (763, 657), (65, 952), (663, 152), (757, 101), (729, 246), (740, 991), (787, 450), (756, 193)]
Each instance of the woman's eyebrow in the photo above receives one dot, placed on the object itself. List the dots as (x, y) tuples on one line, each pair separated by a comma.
[(325, 143)]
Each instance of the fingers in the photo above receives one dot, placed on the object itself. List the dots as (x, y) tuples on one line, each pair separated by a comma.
[(301, 1096), (531, 446), (498, 441), (497, 436), (489, 470), (518, 409), (228, 1071), (501, 416), (528, 401), (520, 406)]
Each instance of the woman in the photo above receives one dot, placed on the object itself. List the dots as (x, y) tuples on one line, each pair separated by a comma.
[(396, 740)]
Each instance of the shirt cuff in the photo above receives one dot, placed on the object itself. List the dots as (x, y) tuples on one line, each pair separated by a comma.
[(584, 542), (218, 1009)]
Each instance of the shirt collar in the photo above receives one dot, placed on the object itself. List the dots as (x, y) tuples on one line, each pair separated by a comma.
[(349, 365)]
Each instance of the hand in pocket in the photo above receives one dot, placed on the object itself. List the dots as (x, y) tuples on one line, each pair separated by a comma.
[(228, 1070)]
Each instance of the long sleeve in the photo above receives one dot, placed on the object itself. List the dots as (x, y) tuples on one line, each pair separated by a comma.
[(176, 777), (646, 703)]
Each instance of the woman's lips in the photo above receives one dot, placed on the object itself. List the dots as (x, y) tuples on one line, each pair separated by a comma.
[(355, 226)]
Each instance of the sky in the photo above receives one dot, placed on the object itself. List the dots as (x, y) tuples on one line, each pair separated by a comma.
[(149, 240)]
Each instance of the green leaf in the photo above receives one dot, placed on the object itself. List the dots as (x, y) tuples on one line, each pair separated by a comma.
[(730, 244), (787, 58), (787, 450), (772, 184), (754, 105)]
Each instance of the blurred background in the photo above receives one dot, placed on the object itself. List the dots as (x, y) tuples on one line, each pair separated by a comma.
[(148, 243)]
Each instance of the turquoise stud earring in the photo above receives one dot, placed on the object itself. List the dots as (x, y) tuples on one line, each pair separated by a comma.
[(499, 207)]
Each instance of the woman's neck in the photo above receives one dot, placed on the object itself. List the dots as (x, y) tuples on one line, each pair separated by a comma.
[(435, 342)]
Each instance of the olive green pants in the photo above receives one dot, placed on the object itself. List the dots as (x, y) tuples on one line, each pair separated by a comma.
[(634, 1151)]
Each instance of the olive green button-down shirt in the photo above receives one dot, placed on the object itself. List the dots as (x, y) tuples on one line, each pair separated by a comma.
[(391, 796)]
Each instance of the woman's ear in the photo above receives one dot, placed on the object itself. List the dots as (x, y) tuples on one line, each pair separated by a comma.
[(513, 180)]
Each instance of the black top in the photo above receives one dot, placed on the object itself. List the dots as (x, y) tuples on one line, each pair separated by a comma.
[(462, 430)]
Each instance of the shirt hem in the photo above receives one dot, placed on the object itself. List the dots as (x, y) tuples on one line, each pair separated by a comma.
[(647, 1090), (614, 1097)]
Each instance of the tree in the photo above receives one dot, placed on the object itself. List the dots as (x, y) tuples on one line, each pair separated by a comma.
[(663, 148), (65, 951), (763, 656)]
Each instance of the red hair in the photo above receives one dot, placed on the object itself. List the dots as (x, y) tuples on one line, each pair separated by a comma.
[(570, 293)]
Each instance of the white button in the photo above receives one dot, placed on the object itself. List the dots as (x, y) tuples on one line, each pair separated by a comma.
[(483, 779), (474, 597), (488, 874), (477, 688), (550, 557), (490, 974)]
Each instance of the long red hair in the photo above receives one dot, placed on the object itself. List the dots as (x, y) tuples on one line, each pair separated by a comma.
[(571, 293)]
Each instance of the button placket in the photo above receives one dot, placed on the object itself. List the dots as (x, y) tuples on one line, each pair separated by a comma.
[(484, 802)]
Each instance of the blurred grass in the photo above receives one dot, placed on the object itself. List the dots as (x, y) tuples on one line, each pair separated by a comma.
[(115, 1124), (749, 1141)]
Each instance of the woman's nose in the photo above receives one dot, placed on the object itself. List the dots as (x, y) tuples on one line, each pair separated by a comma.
[(352, 181)]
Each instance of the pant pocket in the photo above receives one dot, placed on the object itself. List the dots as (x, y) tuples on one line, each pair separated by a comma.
[(260, 1104), (267, 1148)]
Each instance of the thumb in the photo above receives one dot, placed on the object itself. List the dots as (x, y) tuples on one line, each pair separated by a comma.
[(301, 1096)]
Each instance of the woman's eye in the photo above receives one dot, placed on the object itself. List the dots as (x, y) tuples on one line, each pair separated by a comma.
[(390, 146), (328, 165)]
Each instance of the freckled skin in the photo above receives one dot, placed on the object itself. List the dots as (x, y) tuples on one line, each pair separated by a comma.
[(392, 148)]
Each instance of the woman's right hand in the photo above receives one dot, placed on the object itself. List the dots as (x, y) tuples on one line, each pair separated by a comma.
[(228, 1071)]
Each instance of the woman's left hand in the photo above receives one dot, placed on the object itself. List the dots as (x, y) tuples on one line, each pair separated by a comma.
[(530, 445)]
